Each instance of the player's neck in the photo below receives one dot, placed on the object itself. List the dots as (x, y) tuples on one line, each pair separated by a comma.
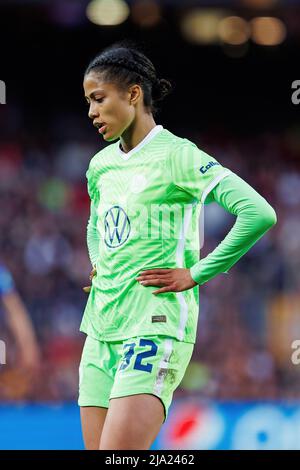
[(137, 132)]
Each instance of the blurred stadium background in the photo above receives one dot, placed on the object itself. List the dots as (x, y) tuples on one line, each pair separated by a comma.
[(233, 63)]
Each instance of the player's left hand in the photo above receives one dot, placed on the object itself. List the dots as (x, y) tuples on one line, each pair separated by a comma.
[(172, 280)]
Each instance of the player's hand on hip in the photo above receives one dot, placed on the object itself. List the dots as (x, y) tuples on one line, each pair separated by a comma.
[(93, 272), (170, 280)]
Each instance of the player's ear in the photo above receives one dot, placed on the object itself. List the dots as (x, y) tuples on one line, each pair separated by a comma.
[(135, 92)]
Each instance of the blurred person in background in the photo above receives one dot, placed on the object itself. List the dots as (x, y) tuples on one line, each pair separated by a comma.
[(20, 325)]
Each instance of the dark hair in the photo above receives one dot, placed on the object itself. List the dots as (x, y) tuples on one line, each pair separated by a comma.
[(123, 64)]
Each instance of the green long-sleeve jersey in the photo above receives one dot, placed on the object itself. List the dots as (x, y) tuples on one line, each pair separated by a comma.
[(145, 208)]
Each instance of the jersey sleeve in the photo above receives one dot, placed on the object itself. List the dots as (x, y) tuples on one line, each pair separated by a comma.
[(7, 284), (92, 233), (254, 217), (92, 182), (194, 171)]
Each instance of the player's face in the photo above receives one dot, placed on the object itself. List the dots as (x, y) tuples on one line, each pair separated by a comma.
[(110, 108)]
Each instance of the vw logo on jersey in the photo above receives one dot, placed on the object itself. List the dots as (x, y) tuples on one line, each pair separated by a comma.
[(117, 227)]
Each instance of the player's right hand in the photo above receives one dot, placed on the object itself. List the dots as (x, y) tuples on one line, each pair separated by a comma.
[(93, 272)]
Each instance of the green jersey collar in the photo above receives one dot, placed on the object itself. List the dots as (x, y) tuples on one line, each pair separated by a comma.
[(144, 142)]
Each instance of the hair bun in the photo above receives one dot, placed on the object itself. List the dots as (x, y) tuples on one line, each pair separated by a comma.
[(160, 89)]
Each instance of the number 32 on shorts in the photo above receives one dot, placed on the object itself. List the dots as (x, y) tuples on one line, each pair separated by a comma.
[(138, 365)]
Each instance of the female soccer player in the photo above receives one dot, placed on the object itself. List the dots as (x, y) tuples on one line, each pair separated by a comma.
[(146, 191)]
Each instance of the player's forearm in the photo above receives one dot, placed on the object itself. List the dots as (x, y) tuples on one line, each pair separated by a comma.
[(254, 217), (93, 236)]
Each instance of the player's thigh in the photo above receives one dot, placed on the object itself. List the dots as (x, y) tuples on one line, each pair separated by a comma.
[(150, 370), (92, 422), (132, 422), (96, 377)]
